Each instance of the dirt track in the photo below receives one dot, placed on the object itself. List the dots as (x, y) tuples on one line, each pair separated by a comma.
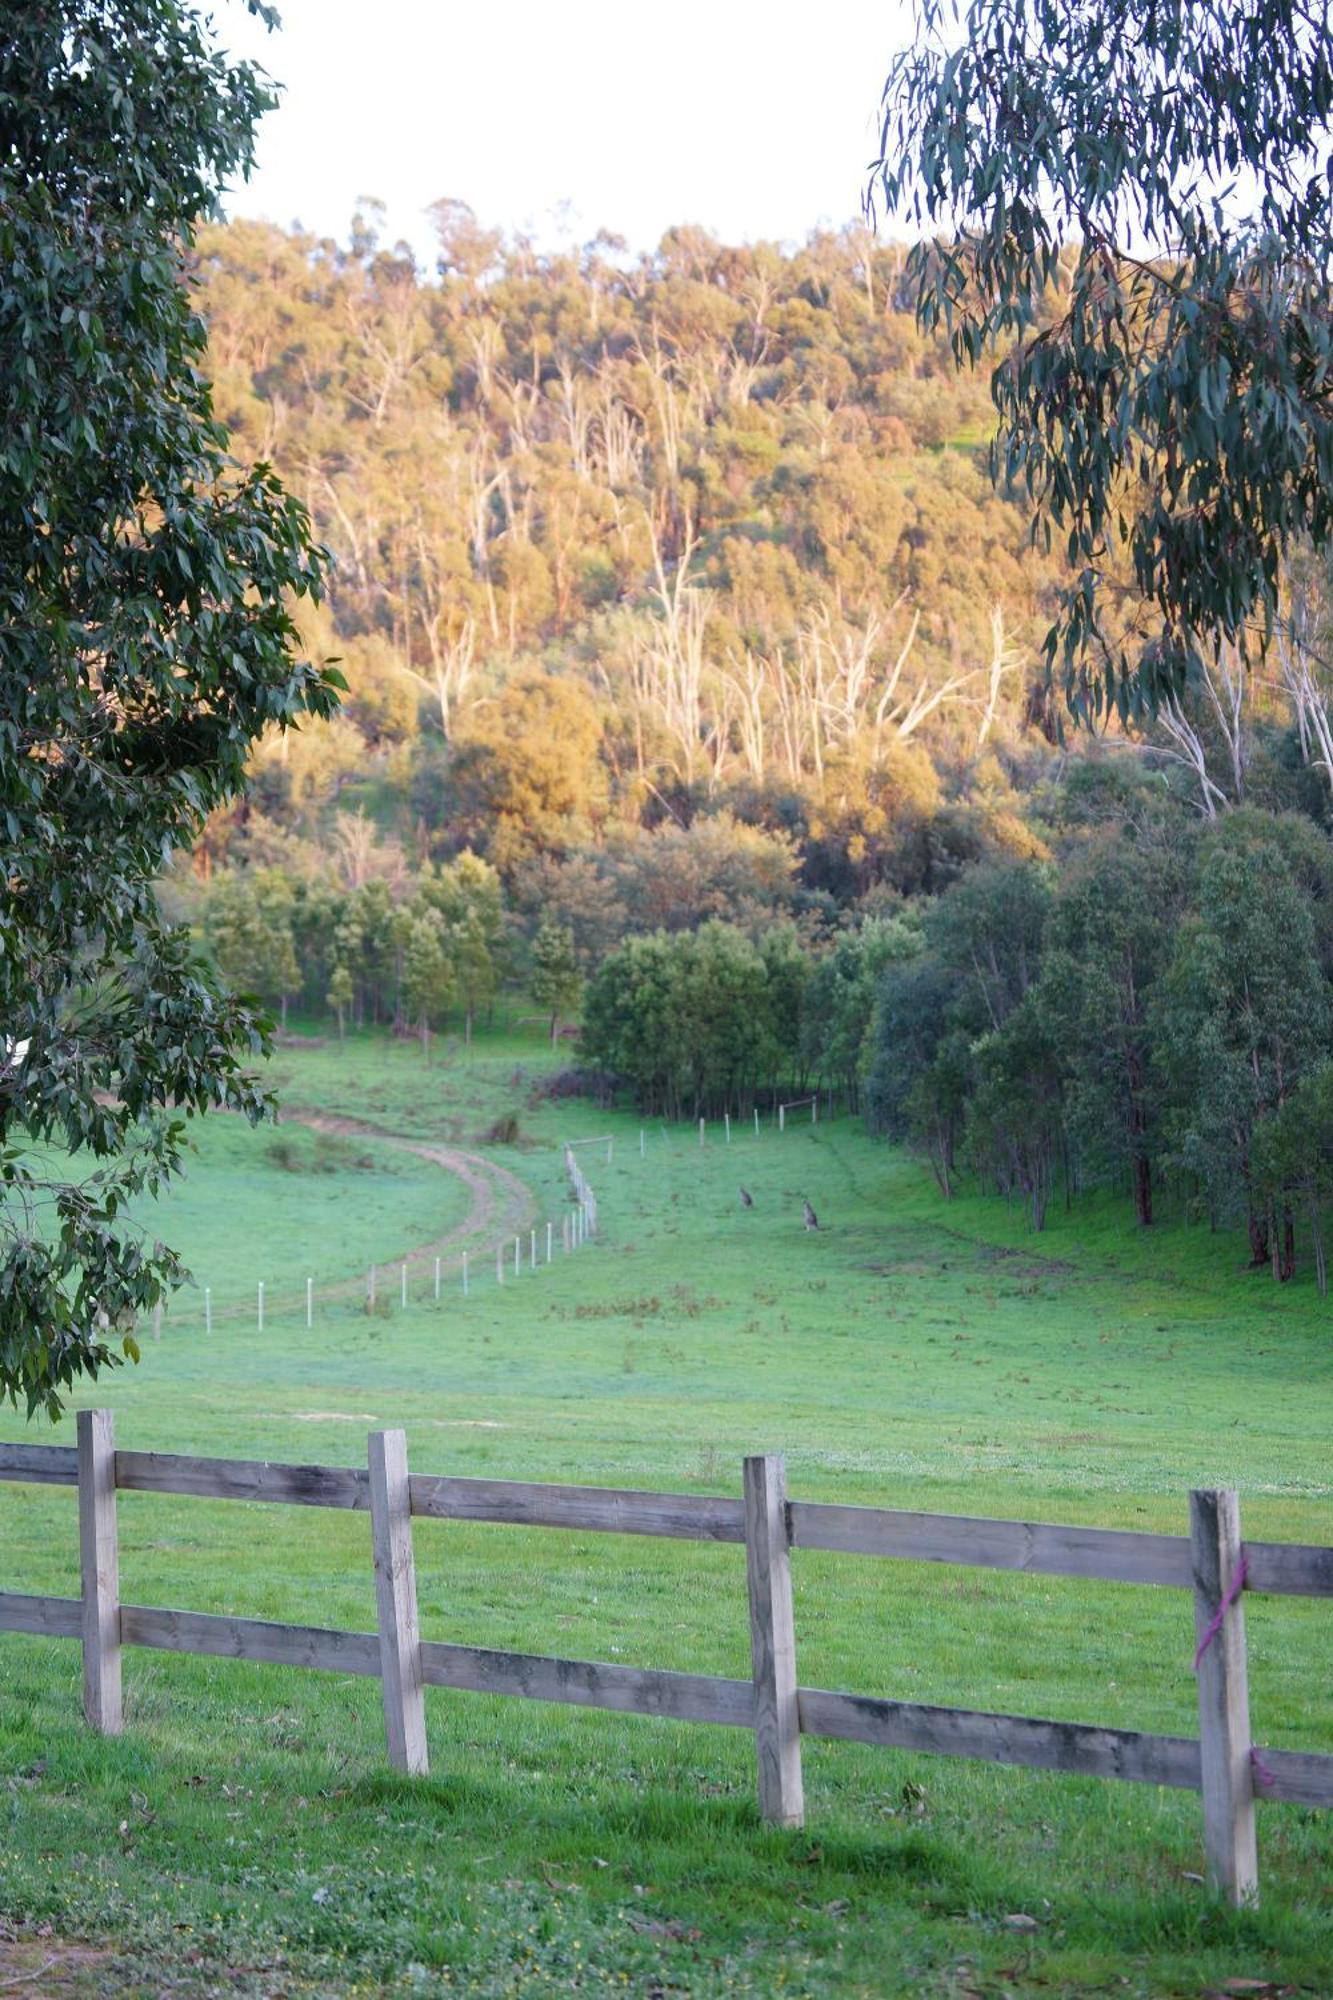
[(501, 1207)]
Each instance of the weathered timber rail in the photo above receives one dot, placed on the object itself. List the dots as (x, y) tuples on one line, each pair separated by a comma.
[(1212, 1562)]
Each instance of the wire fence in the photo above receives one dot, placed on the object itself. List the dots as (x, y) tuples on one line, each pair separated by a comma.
[(432, 1277)]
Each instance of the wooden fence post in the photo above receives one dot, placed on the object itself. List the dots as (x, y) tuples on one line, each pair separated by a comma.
[(99, 1565), (777, 1725), (1224, 1702), (396, 1602)]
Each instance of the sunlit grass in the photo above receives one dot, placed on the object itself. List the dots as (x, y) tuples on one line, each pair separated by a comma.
[(909, 1353)]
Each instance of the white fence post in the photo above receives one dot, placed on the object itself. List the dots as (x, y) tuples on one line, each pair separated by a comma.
[(777, 1726), (99, 1570), (437, 1280), (499, 1265), (396, 1603), (701, 1131), (726, 1124), (756, 1121), (1224, 1704), (550, 1228), (518, 1257), (532, 1250), (402, 1289), (782, 1117)]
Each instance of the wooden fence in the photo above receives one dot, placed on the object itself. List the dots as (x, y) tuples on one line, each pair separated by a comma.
[(1211, 1562)]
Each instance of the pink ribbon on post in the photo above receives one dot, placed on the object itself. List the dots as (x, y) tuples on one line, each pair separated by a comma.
[(1214, 1625), (1263, 1777)]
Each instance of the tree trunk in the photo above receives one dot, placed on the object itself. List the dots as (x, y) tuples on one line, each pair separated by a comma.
[(1287, 1260), (1143, 1189), (1257, 1225), (1317, 1238)]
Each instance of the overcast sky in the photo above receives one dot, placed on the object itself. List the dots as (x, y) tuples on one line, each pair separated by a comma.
[(565, 116)]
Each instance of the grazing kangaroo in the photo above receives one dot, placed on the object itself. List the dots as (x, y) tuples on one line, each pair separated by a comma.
[(811, 1219), (747, 1199)]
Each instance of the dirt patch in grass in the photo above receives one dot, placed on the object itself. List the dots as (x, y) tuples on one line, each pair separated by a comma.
[(904, 1260), (36, 1966), (325, 1417), (1022, 1263)]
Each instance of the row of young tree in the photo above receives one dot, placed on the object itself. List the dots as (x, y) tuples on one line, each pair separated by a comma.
[(710, 1022), (412, 953), (1152, 1015)]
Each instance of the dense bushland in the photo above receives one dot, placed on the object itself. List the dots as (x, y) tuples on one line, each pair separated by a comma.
[(694, 683)]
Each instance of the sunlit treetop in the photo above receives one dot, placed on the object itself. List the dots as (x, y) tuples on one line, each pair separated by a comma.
[(1128, 202)]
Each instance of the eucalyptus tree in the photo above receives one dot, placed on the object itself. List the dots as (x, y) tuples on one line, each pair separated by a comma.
[(1241, 1019), (1108, 940), (146, 640), (557, 982), (1127, 203)]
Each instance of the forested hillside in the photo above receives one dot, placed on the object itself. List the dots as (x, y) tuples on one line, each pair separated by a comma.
[(727, 499), (694, 680)]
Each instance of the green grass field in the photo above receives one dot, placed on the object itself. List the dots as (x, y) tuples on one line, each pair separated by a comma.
[(245, 1835)]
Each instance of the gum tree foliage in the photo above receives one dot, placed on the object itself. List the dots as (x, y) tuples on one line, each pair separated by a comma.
[(144, 645), (1243, 1019), (556, 981), (687, 1020), (1130, 201), (1108, 940)]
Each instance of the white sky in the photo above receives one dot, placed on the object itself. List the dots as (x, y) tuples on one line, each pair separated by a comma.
[(756, 121)]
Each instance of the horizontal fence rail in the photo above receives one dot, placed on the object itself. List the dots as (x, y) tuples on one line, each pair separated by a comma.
[(1212, 1562)]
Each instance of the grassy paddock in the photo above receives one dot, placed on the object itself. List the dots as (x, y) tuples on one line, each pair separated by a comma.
[(245, 1834)]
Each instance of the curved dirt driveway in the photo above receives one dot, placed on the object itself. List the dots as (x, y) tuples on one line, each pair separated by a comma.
[(501, 1207), (501, 1203)]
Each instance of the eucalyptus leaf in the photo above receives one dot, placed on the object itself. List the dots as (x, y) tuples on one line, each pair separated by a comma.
[(145, 642)]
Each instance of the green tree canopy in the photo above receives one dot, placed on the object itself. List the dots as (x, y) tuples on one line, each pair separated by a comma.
[(556, 980), (145, 643), (1128, 200)]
